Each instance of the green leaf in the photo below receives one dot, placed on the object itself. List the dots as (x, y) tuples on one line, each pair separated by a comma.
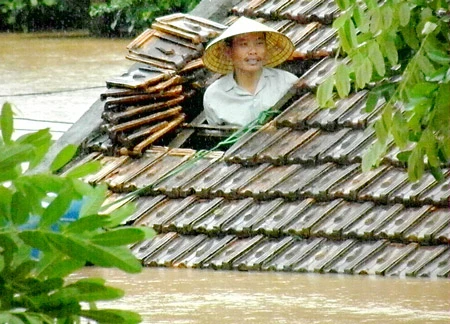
[(428, 28), (340, 21), (57, 207), (7, 317), (371, 157), (9, 247), (20, 208), (410, 37), (425, 65), (45, 183), (91, 290), (441, 118), (39, 138), (415, 164), (92, 204), (7, 123), (118, 237), (437, 174), (377, 58), (423, 90), (371, 4), (439, 76), (342, 80), (111, 316), (84, 170), (325, 92), (403, 156), (14, 155), (386, 117), (363, 73), (87, 224), (46, 286), (381, 131), (399, 130), (390, 50), (360, 19), (438, 56), (35, 318), (83, 250), (57, 265), (372, 100), (375, 21), (33, 193), (386, 16), (428, 141), (63, 157), (36, 239), (119, 215), (5, 205), (342, 4), (350, 32), (404, 13)]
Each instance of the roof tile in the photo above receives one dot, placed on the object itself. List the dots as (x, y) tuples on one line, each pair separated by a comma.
[(416, 261), (175, 248), (384, 185), (182, 222), (249, 216), (439, 267), (232, 251), (296, 252), (283, 214), (205, 250), (316, 212), (386, 259), (261, 253), (364, 227), (397, 225), (340, 218), (355, 256), (325, 255), (426, 231), (215, 219)]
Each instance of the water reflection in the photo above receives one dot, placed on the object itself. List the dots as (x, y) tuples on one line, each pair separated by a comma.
[(163, 295)]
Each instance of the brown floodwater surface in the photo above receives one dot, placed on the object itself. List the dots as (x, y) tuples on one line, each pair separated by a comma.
[(171, 295), (56, 76)]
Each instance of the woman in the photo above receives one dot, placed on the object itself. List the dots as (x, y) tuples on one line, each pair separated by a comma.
[(246, 53)]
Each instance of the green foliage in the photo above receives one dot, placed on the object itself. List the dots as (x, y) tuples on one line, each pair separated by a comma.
[(32, 15), (134, 16), (51, 226), (385, 40)]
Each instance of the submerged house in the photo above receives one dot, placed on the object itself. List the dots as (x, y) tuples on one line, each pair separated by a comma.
[(286, 196)]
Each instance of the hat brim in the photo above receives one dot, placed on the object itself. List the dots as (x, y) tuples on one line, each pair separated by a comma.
[(278, 46)]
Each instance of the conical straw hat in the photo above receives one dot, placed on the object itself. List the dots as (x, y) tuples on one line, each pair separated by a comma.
[(279, 46)]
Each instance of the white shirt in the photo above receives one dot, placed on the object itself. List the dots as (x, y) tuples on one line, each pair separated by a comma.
[(225, 102)]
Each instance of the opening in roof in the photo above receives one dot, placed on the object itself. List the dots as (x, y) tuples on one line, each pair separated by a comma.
[(159, 101)]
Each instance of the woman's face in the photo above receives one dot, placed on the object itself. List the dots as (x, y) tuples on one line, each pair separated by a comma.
[(248, 52)]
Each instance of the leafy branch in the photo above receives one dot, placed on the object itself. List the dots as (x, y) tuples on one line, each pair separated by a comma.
[(51, 226), (398, 49)]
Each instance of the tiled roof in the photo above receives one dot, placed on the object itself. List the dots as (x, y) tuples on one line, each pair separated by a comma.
[(288, 197)]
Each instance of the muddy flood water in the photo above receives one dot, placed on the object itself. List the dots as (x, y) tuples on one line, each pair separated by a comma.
[(49, 77), (181, 296)]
